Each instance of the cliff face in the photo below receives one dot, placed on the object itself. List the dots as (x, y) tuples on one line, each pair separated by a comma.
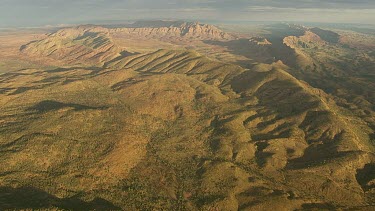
[(178, 30)]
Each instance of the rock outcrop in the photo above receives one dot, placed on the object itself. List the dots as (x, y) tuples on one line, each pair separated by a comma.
[(175, 29)]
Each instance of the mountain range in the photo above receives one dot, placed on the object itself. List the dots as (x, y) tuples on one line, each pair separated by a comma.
[(288, 125)]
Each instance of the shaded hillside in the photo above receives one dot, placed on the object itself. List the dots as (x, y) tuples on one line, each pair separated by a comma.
[(175, 130), (257, 50), (26, 197), (346, 73), (326, 35), (340, 64)]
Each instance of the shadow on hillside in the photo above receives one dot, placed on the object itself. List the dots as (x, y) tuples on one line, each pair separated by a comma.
[(318, 206), (32, 198), (243, 47), (62, 69), (326, 35), (123, 55), (365, 176), (50, 105), (316, 155), (47, 81)]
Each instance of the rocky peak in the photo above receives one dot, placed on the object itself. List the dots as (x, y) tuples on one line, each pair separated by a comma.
[(175, 29)]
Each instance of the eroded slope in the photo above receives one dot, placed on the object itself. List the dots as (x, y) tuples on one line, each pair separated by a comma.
[(84, 45), (174, 130)]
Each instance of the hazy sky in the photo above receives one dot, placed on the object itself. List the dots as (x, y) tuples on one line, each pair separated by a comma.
[(52, 12)]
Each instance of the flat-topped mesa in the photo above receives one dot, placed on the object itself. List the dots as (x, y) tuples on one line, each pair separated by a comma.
[(175, 29)]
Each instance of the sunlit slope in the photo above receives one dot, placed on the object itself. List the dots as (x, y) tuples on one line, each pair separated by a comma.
[(182, 62), (85, 45), (174, 130)]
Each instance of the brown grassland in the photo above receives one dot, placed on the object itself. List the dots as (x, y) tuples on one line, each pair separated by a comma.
[(187, 117)]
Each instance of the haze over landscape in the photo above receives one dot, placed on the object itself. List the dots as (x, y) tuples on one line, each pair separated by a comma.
[(187, 105), (47, 12)]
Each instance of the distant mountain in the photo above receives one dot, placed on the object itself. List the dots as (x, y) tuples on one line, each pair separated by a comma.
[(155, 24), (90, 44), (83, 44), (192, 30)]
